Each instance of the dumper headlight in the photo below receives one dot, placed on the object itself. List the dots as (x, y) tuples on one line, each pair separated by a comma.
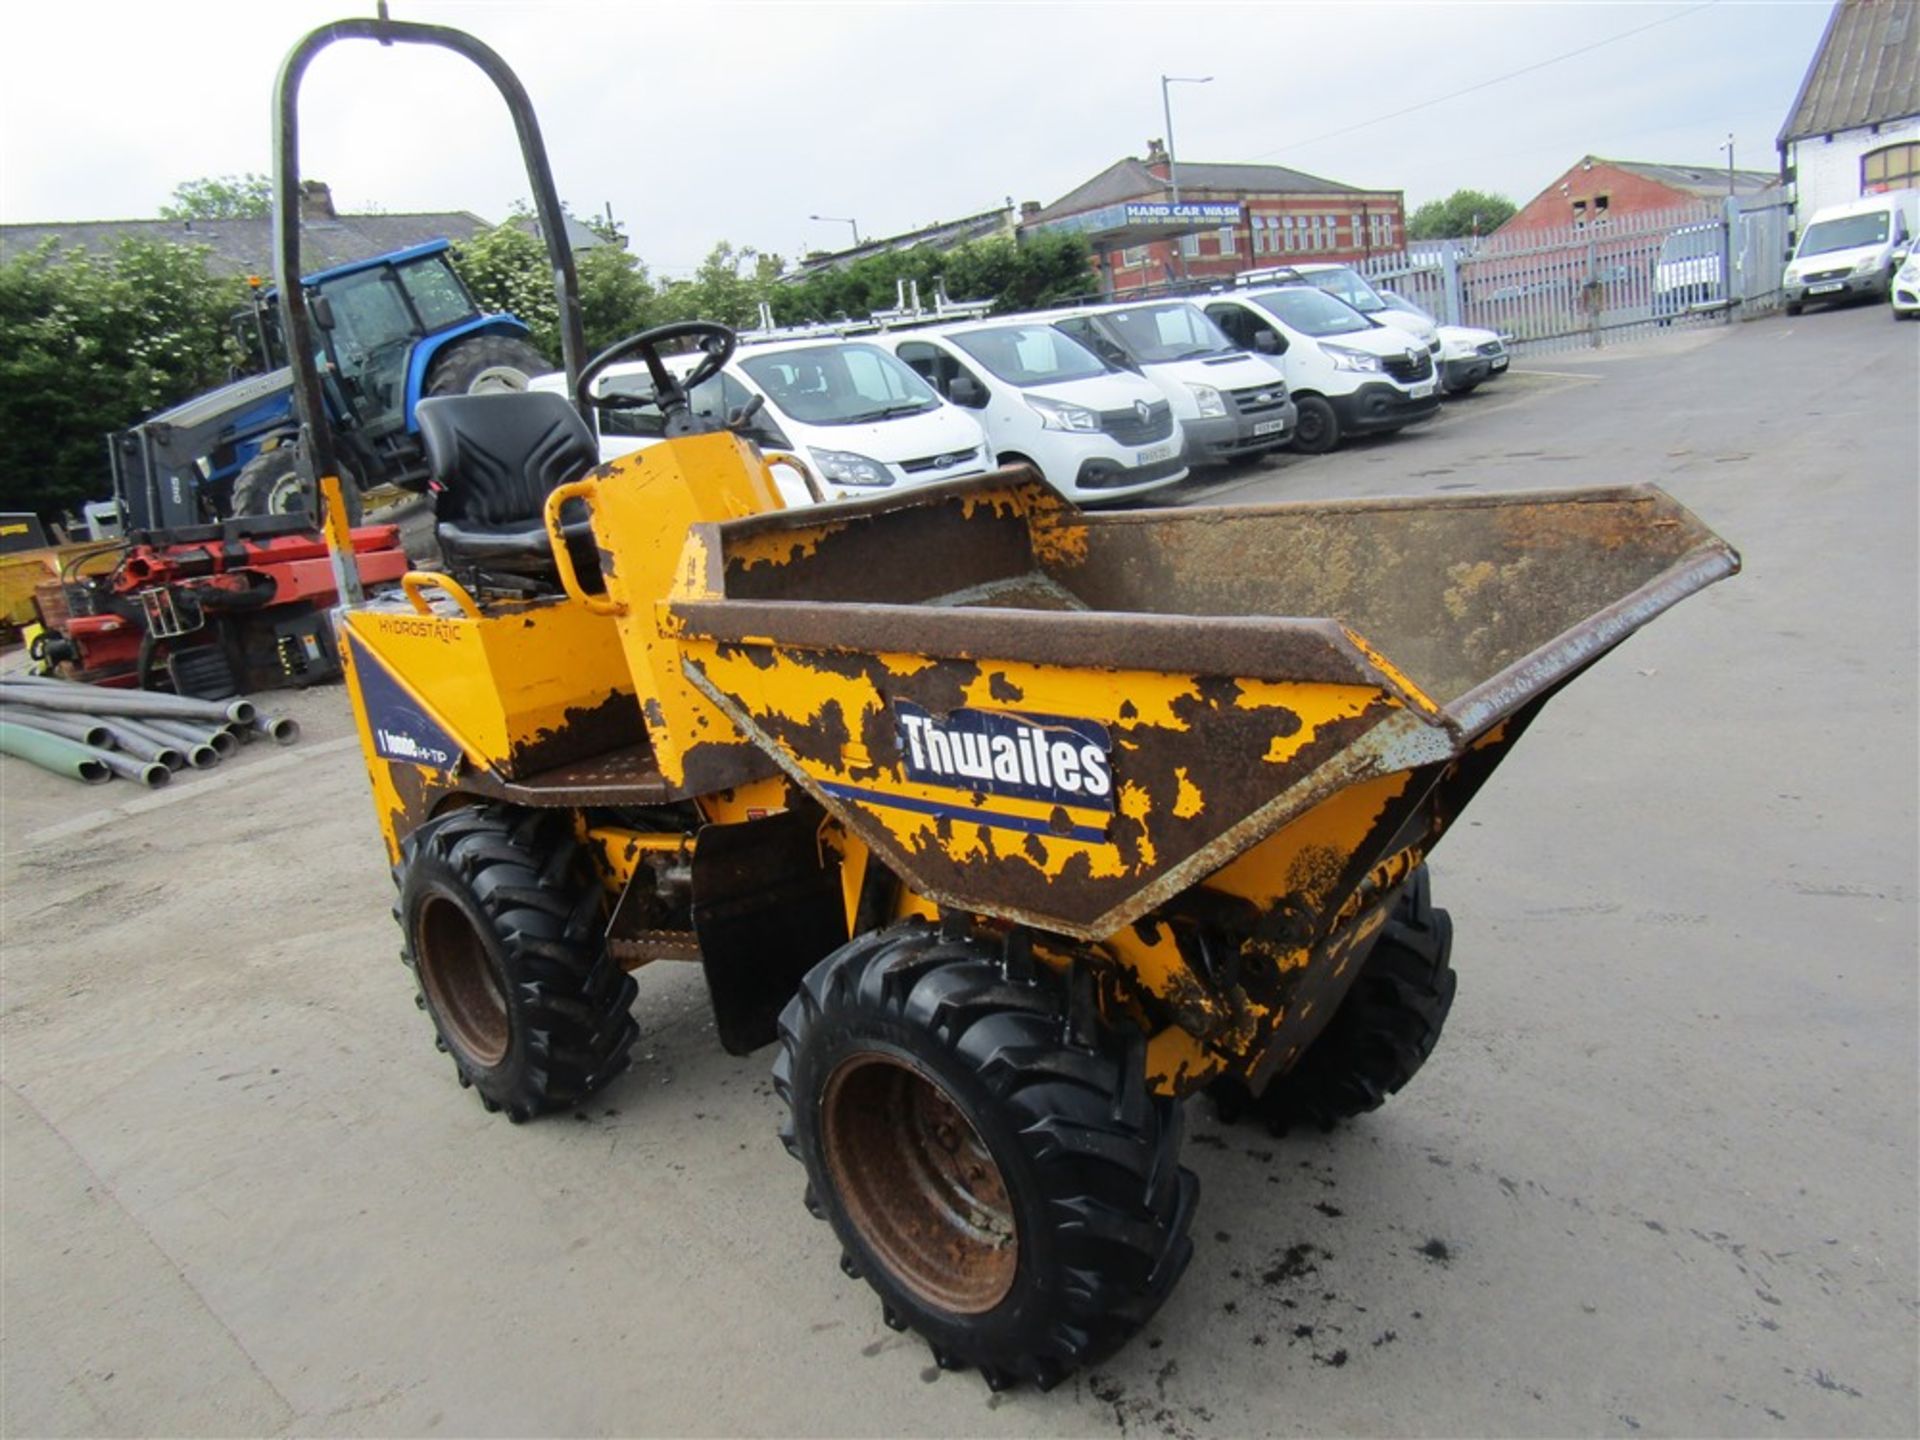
[(1058, 415), (843, 467), (1209, 401), (1345, 359)]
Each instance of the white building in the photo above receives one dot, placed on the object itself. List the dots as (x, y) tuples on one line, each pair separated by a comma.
[(1854, 129)]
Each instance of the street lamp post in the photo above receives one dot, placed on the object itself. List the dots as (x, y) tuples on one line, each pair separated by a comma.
[(1166, 110), (840, 220), (1173, 166)]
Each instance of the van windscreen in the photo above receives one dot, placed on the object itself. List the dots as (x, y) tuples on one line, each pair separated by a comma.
[(1155, 333), (1030, 354), (1848, 233), (848, 384)]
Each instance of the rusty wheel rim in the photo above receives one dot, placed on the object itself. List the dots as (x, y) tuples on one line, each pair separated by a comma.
[(459, 982), (919, 1183)]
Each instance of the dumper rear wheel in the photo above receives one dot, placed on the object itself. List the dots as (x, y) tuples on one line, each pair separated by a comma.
[(1013, 1196), (1381, 1035), (502, 926)]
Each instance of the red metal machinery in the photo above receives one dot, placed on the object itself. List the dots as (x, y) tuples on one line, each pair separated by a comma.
[(221, 608)]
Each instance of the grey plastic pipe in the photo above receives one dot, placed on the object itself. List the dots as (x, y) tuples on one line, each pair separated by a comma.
[(220, 738), (53, 753), (144, 729), (150, 773), (281, 729), (144, 744), (87, 729), (96, 700)]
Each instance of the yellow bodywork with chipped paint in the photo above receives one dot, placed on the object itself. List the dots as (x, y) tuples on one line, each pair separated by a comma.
[(1225, 773)]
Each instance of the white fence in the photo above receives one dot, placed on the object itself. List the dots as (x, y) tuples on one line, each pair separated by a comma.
[(1615, 278)]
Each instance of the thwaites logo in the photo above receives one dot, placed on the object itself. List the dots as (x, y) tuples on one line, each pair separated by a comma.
[(401, 728), (1053, 758)]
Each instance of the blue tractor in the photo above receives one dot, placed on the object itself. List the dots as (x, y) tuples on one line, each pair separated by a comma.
[(391, 331)]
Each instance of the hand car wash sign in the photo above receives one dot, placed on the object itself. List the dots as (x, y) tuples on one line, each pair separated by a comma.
[(1201, 212)]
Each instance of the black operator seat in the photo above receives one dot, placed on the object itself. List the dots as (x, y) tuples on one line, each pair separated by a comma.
[(495, 458)]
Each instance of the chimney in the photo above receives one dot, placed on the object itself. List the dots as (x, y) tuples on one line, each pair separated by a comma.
[(316, 201), (1029, 209), (1156, 151)]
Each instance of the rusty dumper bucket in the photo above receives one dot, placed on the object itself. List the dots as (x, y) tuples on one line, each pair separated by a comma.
[(1101, 725)]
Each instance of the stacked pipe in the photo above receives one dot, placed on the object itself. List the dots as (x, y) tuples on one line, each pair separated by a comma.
[(92, 733)]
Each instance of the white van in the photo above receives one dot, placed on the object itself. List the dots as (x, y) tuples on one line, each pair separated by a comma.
[(1232, 406), (857, 416), (1852, 249), (1348, 375), (1468, 356), (1093, 431), (1347, 284)]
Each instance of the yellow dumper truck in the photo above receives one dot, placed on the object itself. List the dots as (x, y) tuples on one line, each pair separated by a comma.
[(1013, 826)]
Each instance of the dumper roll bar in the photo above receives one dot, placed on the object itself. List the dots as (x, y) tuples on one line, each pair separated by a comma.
[(295, 322)]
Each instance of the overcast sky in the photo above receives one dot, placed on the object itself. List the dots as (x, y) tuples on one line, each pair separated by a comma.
[(700, 122)]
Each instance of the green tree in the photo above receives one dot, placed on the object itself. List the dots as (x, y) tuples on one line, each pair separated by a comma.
[(506, 268), (1013, 275), (95, 343), (223, 197), (1465, 212)]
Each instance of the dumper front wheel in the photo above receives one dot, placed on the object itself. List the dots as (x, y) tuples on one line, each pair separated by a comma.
[(1013, 1196), (503, 932), (1381, 1035)]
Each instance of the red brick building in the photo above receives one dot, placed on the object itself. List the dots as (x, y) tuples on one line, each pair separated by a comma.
[(1230, 218), (1594, 190)]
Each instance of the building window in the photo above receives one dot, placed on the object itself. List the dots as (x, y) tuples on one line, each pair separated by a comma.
[(1386, 230), (1133, 257), (1190, 245), (1580, 214), (1891, 167), (1229, 241), (1599, 208)]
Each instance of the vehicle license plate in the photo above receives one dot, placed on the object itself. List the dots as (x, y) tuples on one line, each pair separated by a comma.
[(1826, 289), (1269, 427), (1420, 392), (1155, 455)]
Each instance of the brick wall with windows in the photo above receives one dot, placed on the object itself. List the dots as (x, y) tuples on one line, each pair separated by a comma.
[(1276, 231)]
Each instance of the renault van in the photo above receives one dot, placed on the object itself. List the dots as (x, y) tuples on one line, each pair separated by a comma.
[(861, 420), (1094, 431), (1231, 405), (1347, 374)]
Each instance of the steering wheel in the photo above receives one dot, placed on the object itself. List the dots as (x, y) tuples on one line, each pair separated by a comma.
[(668, 393)]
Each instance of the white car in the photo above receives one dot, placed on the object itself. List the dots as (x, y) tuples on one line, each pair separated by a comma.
[(1093, 431), (1348, 374), (1232, 406), (862, 421), (1905, 293), (1469, 357)]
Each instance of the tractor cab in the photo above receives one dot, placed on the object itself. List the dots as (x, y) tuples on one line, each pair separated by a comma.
[(374, 316)]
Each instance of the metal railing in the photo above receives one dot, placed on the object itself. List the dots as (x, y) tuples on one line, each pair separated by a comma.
[(1611, 279)]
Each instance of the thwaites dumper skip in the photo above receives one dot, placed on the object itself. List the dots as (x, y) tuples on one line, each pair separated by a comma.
[(1013, 825)]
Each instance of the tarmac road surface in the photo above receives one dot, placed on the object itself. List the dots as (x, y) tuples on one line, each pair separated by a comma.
[(1659, 1177)]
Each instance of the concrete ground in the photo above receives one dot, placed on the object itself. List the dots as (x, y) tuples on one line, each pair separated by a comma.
[(1659, 1177)]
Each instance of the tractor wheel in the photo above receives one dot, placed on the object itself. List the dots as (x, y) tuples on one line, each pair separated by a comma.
[(1008, 1186), (483, 363), (271, 484), (502, 927), (1381, 1035), (1317, 430)]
